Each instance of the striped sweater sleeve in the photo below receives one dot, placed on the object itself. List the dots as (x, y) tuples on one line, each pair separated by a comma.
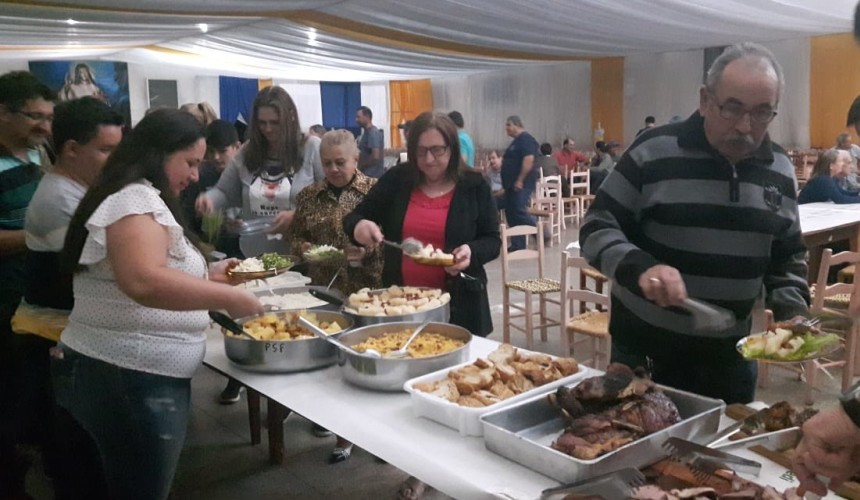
[(613, 216)]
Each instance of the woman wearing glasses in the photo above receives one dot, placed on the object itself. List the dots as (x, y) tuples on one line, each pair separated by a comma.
[(436, 199)]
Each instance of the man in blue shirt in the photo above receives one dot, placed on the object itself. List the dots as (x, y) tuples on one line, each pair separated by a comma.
[(518, 177), (467, 147)]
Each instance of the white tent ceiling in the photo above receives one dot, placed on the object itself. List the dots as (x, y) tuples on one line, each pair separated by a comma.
[(394, 39)]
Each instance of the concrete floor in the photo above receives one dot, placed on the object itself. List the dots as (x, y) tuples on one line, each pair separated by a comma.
[(218, 461)]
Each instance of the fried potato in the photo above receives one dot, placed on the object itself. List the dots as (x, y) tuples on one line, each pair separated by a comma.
[(274, 327), (425, 344)]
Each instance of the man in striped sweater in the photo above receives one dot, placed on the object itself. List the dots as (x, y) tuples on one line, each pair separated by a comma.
[(704, 208)]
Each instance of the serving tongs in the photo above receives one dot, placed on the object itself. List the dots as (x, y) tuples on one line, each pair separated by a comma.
[(704, 461), (708, 317), (617, 484)]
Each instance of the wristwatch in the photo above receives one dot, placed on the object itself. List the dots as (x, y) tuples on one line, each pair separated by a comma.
[(850, 400)]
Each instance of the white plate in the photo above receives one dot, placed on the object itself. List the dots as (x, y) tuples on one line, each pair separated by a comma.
[(826, 351)]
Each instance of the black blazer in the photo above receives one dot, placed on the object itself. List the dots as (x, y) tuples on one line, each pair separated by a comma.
[(473, 219)]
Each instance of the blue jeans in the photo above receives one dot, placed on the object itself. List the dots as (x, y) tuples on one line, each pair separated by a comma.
[(516, 214), (137, 420)]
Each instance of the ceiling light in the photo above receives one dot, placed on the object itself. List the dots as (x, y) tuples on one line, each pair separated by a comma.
[(203, 27), (72, 22)]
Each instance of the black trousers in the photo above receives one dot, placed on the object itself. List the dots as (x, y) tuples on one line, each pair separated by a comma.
[(706, 366)]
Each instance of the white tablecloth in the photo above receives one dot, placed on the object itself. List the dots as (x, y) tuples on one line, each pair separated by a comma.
[(818, 217), (383, 424)]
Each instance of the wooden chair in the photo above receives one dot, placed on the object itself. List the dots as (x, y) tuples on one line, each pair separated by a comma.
[(580, 197), (547, 199), (530, 287), (593, 324), (820, 301)]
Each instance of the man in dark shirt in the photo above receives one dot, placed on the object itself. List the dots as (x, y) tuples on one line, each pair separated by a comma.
[(705, 208), (370, 145), (518, 177), (26, 113), (222, 144), (650, 122)]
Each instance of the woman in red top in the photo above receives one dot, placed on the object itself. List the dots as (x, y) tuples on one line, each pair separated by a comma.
[(439, 201), (436, 199)]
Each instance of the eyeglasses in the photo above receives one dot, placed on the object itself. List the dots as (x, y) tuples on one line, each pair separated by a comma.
[(436, 151), (734, 111), (36, 117)]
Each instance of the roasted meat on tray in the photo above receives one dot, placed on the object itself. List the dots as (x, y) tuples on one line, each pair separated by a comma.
[(606, 412)]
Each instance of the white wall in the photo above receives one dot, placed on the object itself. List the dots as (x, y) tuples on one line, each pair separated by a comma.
[(554, 102), (7, 66), (190, 86)]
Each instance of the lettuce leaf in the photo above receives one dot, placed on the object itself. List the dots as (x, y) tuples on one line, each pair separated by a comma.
[(813, 344)]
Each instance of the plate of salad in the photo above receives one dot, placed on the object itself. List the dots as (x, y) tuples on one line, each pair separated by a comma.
[(318, 253), (789, 342), (264, 266)]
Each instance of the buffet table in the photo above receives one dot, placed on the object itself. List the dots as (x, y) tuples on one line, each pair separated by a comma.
[(383, 424)]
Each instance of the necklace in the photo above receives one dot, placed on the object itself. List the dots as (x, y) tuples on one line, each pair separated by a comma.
[(438, 190)]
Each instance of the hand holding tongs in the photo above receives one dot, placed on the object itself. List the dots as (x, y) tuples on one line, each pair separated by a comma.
[(618, 484), (704, 461)]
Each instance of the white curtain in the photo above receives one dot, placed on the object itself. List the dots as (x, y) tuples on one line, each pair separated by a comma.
[(667, 84), (660, 85), (307, 97), (790, 128), (554, 102)]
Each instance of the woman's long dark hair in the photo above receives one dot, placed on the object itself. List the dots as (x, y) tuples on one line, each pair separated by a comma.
[(257, 150), (439, 121), (141, 155)]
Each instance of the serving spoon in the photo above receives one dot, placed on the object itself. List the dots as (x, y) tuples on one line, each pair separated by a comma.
[(408, 246), (340, 345), (402, 353)]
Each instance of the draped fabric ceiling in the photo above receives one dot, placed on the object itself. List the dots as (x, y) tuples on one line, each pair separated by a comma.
[(366, 40)]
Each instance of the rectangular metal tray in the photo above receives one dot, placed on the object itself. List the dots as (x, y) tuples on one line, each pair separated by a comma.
[(525, 431)]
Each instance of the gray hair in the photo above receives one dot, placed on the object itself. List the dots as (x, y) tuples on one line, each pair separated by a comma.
[(342, 138), (740, 51), (825, 159), (515, 121), (842, 139)]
